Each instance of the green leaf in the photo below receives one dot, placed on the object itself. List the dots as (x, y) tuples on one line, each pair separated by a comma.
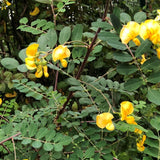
[(143, 48), (22, 68), (64, 35), (133, 84), (58, 147), (23, 20), (80, 94), (116, 23), (75, 88), (100, 24), (140, 17), (89, 152), (26, 141), (41, 133), (9, 63), (116, 44), (66, 140), (151, 151), (48, 147), (43, 41), (124, 17), (70, 68), (77, 32), (50, 135), (73, 81), (155, 122), (52, 37), (22, 54), (152, 63), (78, 52), (53, 67), (151, 134), (154, 77), (85, 101), (44, 1), (153, 96), (122, 57), (126, 69), (36, 144), (32, 129), (107, 36)]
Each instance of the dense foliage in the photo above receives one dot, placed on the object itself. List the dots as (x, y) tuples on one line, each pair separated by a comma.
[(79, 80)]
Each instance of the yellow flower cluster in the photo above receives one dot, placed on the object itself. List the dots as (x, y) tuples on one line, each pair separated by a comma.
[(104, 120), (5, 4), (127, 109), (150, 29), (35, 61)]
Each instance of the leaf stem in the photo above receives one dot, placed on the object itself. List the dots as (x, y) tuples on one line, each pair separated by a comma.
[(90, 48)]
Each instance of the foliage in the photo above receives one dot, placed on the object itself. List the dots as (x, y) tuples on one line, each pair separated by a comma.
[(56, 117)]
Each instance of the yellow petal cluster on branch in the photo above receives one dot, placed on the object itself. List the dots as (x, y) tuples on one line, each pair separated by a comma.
[(104, 120), (130, 32), (60, 53), (149, 29), (33, 62)]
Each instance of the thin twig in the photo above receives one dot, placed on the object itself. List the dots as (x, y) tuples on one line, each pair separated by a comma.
[(14, 149), (10, 138), (4, 118), (5, 148), (135, 61), (90, 48), (53, 12)]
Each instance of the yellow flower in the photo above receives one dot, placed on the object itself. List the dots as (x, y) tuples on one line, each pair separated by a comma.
[(149, 30), (32, 50), (0, 101), (39, 71), (33, 62), (11, 95), (158, 52), (143, 59), (136, 41), (45, 69), (105, 120), (126, 109), (129, 32), (35, 11), (130, 120), (140, 144), (30, 63), (60, 53), (8, 3)]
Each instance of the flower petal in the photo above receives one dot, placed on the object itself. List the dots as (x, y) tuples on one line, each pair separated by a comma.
[(129, 32), (110, 126), (126, 109), (32, 50), (103, 119)]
